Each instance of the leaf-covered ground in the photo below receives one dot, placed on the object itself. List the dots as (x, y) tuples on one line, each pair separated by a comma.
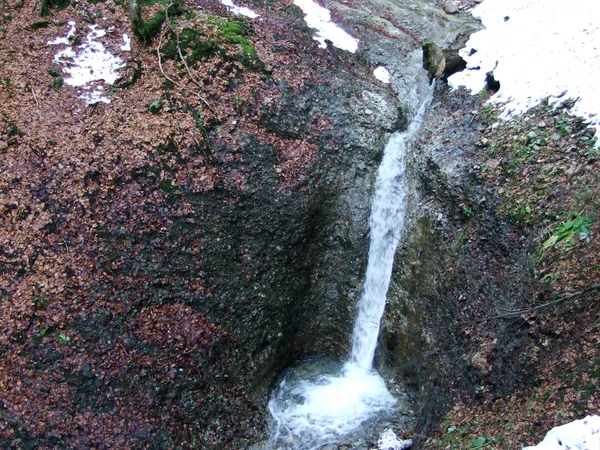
[(91, 201), (545, 170)]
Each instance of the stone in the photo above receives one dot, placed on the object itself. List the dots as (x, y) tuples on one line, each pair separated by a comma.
[(434, 61), (450, 8), (493, 164)]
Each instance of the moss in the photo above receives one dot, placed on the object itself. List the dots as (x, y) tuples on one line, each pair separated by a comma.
[(201, 46), (198, 44), (40, 24), (152, 26), (234, 34)]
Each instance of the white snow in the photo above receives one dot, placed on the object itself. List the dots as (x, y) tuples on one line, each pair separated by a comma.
[(91, 66), (537, 49), (320, 18), (389, 441), (126, 47), (239, 10), (64, 40), (382, 74), (581, 434)]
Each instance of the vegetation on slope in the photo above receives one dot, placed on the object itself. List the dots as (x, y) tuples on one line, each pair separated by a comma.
[(544, 169)]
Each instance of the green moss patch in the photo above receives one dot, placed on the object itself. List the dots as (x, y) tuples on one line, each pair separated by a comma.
[(211, 36)]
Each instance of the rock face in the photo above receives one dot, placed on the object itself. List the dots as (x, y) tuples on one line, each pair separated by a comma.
[(434, 61), (440, 63), (449, 269)]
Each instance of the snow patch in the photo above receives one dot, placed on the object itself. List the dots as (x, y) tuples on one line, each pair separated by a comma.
[(537, 49), (64, 40), (579, 434), (126, 47), (382, 74), (91, 66), (320, 18), (389, 441), (239, 10)]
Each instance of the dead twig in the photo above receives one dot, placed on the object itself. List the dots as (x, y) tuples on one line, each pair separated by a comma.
[(516, 313), (123, 348), (37, 103), (162, 32), (187, 68)]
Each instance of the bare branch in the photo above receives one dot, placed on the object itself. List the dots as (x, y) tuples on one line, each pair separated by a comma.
[(516, 313)]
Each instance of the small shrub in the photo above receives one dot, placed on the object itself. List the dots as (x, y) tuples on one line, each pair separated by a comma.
[(565, 232), (58, 82)]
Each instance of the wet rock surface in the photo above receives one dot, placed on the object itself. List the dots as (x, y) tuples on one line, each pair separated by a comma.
[(447, 267)]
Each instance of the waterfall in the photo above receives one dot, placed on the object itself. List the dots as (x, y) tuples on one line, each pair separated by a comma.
[(386, 224), (316, 404)]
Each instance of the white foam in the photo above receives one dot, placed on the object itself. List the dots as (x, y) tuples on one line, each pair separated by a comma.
[(320, 18), (309, 413), (382, 74), (91, 66), (239, 10), (580, 434), (546, 48)]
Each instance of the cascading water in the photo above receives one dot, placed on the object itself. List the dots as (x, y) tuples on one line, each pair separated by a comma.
[(317, 404)]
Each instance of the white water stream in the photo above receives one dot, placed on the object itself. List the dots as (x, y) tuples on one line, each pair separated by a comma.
[(317, 404)]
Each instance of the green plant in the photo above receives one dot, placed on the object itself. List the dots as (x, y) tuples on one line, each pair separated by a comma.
[(41, 302), (478, 442), (563, 128), (8, 88), (238, 103), (155, 106), (466, 210), (565, 232), (522, 214), (555, 276), (63, 339), (13, 130), (488, 113), (58, 82)]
